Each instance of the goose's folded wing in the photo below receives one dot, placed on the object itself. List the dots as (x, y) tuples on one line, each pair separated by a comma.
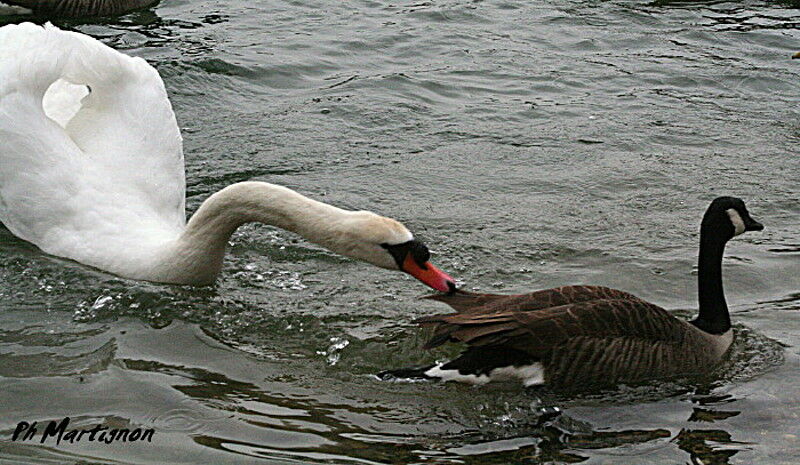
[(465, 302), (540, 330), (73, 8)]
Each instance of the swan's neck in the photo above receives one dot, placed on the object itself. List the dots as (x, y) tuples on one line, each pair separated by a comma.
[(197, 255), (714, 317)]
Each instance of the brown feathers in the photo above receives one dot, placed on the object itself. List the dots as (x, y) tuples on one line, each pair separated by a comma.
[(545, 317), (590, 335), (583, 334)]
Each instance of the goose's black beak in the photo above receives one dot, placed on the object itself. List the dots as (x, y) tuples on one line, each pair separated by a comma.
[(753, 225)]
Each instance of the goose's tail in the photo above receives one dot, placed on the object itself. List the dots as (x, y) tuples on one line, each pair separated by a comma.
[(407, 374)]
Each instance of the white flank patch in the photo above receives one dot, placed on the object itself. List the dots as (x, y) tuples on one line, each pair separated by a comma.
[(736, 220), (530, 375), (454, 375)]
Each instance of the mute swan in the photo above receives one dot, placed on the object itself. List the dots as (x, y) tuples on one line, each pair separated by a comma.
[(91, 169), (73, 8), (577, 336)]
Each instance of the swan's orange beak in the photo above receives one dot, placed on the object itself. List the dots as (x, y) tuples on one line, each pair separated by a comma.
[(429, 274), (796, 55)]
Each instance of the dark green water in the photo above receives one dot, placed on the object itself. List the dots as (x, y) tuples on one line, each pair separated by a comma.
[(530, 144)]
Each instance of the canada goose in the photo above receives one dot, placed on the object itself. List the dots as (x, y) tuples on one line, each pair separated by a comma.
[(97, 176), (573, 337), (75, 8)]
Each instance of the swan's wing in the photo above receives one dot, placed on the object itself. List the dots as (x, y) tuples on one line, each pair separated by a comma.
[(38, 161), (118, 160), (126, 124)]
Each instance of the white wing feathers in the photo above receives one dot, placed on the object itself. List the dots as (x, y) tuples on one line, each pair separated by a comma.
[(90, 145)]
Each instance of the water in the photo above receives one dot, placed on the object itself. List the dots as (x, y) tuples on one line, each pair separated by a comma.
[(530, 144)]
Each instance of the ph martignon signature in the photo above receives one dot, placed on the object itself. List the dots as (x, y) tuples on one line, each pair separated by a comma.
[(59, 430)]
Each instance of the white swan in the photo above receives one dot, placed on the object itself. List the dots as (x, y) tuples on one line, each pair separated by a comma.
[(91, 169)]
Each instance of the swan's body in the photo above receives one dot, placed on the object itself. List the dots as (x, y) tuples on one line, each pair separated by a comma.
[(574, 337), (74, 8), (91, 168)]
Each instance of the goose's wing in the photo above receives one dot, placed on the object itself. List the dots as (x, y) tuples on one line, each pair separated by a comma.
[(464, 301), (98, 153), (538, 329), (74, 8)]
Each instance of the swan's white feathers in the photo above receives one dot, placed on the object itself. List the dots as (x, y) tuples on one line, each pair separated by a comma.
[(356, 234), (91, 168), (108, 162), (363, 234)]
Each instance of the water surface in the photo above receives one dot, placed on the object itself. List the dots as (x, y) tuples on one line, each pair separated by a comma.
[(530, 144)]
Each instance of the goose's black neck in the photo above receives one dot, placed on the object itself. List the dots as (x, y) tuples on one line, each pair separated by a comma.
[(714, 317)]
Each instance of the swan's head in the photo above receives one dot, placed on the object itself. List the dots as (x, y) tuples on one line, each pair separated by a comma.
[(727, 217), (386, 243)]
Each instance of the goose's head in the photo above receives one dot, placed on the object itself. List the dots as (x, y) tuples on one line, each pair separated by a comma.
[(727, 217), (386, 243)]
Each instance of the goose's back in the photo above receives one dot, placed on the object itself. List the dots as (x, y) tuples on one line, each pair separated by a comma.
[(581, 335), (91, 166)]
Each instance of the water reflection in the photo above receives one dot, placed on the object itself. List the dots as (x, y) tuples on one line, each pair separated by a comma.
[(55, 364), (728, 16), (322, 416), (564, 439), (287, 427), (303, 409), (708, 447)]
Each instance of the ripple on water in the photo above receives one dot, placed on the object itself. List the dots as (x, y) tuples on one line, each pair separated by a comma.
[(188, 416), (62, 363), (751, 355)]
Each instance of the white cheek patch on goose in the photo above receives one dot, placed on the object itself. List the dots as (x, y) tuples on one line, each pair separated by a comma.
[(736, 220)]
